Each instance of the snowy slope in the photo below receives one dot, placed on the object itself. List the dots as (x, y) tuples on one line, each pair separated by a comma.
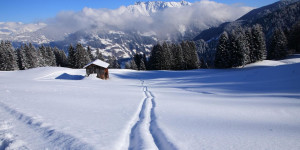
[(256, 107)]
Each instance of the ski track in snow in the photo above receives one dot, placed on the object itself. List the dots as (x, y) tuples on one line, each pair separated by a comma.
[(146, 134), (51, 138)]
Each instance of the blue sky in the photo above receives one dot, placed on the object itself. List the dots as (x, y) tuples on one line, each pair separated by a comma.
[(28, 11)]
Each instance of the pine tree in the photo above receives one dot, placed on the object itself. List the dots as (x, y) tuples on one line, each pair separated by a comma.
[(142, 65), (178, 57), (156, 58), (8, 60), (89, 51), (2, 56), (222, 58), (22, 59), (205, 54), (145, 61), (43, 53), (294, 37), (113, 62), (242, 51), (137, 58), (81, 56), (60, 57), (64, 59), (57, 56), (249, 38), (50, 57), (259, 43), (133, 65), (71, 56), (167, 61), (12, 56), (193, 62), (278, 45), (41, 60), (99, 55), (31, 56), (185, 54), (234, 50)]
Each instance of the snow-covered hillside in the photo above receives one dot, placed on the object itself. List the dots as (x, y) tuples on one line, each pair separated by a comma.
[(256, 107)]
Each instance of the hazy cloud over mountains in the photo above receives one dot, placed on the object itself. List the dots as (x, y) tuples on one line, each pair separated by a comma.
[(140, 17)]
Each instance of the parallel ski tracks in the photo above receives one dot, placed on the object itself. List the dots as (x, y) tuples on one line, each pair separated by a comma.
[(146, 134)]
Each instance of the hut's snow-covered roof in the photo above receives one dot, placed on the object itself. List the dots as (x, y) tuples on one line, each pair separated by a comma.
[(98, 63)]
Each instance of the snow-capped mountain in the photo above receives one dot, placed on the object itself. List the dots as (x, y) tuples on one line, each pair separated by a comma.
[(127, 30), (150, 7)]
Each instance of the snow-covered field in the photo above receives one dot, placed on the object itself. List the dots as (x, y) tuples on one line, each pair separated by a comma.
[(256, 107)]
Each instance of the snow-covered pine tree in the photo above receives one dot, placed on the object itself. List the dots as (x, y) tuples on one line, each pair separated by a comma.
[(133, 65), (185, 54), (205, 54), (41, 60), (114, 63), (142, 65), (193, 62), (81, 56), (50, 61), (235, 49), (156, 57), (43, 53), (3, 56), (61, 58), (22, 59), (167, 56), (71, 57), (178, 57), (145, 61), (222, 58), (259, 49), (278, 45), (244, 45), (31, 56), (12, 58), (7, 57), (57, 56), (64, 59), (249, 38)]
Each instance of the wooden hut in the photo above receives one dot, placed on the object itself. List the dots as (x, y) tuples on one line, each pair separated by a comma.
[(99, 67)]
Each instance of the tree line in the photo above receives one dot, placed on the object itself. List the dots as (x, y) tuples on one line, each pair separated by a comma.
[(248, 45), (27, 56), (167, 56), (239, 47)]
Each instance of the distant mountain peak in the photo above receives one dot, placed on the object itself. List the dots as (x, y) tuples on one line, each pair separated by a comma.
[(154, 6)]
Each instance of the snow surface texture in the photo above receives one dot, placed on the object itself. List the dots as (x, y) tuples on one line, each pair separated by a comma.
[(256, 107)]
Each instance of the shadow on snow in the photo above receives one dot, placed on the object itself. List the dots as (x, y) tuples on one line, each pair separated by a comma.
[(66, 76), (265, 80)]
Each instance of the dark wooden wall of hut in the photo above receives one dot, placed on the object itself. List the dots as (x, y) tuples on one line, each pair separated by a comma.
[(100, 71)]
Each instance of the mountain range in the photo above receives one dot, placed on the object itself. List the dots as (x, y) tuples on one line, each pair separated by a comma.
[(124, 31)]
